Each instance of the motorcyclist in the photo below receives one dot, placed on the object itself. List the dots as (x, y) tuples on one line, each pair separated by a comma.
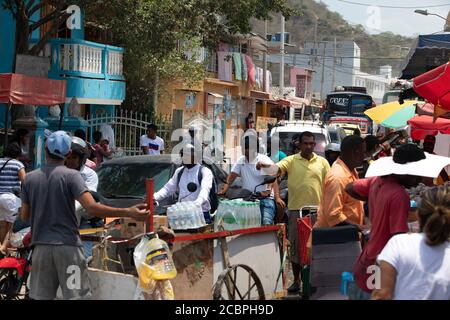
[(192, 171), (77, 161)]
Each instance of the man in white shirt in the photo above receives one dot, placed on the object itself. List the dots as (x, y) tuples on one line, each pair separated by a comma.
[(150, 143), (186, 174), (251, 176)]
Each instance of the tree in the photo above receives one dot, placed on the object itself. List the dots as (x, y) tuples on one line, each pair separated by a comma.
[(151, 32), (23, 10)]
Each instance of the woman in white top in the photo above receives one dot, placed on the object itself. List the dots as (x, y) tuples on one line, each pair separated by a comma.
[(417, 266)]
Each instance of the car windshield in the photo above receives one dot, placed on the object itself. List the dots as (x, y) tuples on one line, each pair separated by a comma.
[(286, 142), (334, 136), (128, 180), (360, 104)]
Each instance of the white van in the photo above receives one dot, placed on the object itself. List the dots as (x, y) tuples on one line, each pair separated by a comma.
[(285, 130)]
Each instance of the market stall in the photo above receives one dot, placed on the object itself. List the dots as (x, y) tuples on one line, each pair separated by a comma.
[(19, 89)]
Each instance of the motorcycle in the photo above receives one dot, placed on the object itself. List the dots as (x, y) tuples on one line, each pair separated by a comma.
[(247, 195), (15, 269)]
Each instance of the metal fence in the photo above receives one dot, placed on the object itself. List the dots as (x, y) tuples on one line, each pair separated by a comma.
[(128, 127)]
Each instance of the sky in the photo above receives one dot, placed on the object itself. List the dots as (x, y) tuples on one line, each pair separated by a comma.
[(399, 21)]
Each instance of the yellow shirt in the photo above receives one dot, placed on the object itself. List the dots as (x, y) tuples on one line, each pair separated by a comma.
[(336, 205), (305, 179)]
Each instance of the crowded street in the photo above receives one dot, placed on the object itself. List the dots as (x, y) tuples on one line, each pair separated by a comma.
[(224, 150)]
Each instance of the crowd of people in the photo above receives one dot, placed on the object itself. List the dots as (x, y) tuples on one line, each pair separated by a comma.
[(344, 197), (413, 266)]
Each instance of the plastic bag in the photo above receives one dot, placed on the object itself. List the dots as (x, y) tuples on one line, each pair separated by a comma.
[(16, 239), (9, 204), (155, 268)]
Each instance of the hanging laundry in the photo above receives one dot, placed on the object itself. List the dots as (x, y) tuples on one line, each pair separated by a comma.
[(251, 70), (225, 66), (268, 83), (225, 47), (260, 78), (237, 65), (244, 68)]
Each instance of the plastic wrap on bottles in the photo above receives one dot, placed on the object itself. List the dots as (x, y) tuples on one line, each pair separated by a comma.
[(237, 214), (185, 215)]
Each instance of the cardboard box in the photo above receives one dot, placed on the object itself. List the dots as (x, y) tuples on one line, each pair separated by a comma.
[(131, 228)]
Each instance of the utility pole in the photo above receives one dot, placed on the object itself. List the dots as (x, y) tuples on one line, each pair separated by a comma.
[(282, 57), (323, 71), (265, 58), (334, 66), (315, 45)]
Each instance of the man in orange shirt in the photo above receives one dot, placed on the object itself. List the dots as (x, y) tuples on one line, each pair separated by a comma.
[(336, 206)]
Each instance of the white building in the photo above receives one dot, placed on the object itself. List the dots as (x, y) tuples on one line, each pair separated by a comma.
[(340, 66), (376, 85)]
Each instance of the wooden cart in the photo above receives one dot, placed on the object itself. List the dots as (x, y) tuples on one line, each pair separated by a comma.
[(231, 265)]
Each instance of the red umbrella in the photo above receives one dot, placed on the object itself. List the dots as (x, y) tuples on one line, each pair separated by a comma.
[(434, 86), (422, 126)]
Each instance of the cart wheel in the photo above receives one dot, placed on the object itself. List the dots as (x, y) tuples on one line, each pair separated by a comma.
[(238, 282)]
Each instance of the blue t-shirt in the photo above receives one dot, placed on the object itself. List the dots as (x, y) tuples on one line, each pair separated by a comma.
[(9, 176)]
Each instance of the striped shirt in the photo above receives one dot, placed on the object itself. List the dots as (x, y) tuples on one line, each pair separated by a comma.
[(9, 176)]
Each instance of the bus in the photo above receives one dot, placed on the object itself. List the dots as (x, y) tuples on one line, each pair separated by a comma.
[(351, 105)]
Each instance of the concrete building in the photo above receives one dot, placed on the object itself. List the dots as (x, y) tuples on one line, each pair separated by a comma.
[(319, 58), (334, 65), (376, 85), (93, 72)]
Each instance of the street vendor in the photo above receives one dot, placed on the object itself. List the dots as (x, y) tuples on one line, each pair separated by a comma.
[(306, 172), (190, 172)]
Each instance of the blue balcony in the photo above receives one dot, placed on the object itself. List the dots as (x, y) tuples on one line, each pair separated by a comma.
[(85, 59), (93, 71)]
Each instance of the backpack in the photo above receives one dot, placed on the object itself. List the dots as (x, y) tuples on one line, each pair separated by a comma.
[(213, 198)]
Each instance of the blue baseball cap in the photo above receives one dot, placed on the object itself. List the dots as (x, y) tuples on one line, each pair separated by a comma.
[(58, 144)]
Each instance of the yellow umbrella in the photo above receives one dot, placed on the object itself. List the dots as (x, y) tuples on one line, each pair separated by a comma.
[(385, 111)]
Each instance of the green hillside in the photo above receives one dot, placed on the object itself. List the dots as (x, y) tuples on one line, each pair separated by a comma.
[(332, 24)]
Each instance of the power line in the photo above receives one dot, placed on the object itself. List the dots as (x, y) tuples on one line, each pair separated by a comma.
[(393, 7), (339, 57)]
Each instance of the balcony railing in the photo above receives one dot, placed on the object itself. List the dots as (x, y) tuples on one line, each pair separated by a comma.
[(86, 59)]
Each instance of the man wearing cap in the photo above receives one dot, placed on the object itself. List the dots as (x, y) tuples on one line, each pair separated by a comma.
[(48, 198)]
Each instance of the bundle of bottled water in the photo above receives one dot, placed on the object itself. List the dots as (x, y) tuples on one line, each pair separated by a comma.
[(237, 214), (185, 215)]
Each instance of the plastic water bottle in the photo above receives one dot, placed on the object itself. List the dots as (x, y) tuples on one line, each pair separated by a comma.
[(248, 216), (201, 217), (258, 216)]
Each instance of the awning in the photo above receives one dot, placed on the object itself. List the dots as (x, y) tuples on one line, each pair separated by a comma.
[(216, 95), (434, 86), (220, 82), (297, 102), (428, 52), (422, 126), (280, 102), (259, 95), (21, 89)]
